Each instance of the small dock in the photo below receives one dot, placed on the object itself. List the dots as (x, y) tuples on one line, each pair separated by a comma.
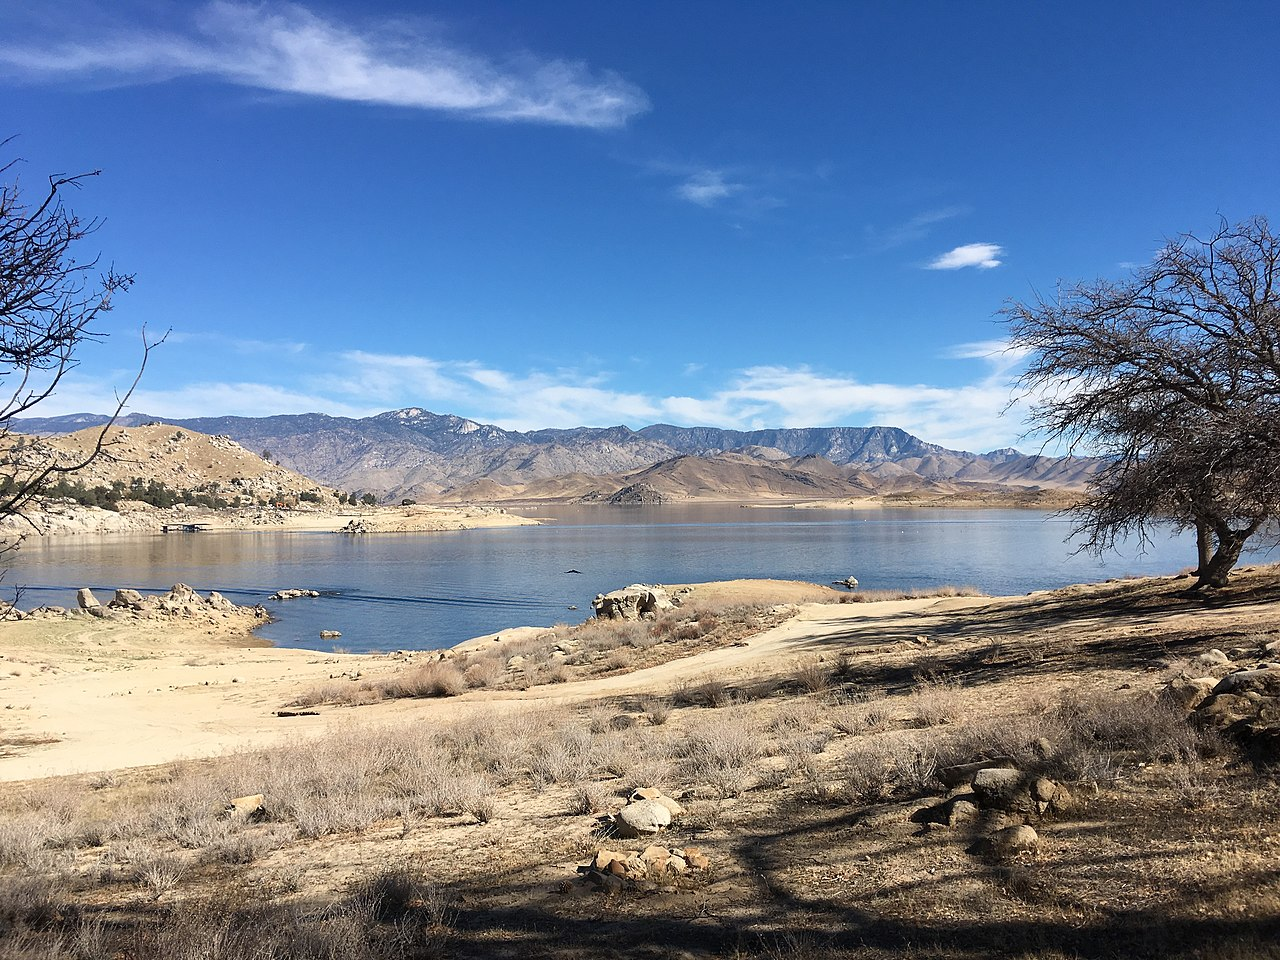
[(182, 527)]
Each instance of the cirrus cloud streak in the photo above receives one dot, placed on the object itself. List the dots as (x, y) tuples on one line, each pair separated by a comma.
[(286, 48)]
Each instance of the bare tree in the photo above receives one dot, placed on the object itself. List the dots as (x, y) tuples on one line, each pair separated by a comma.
[(1174, 376), (49, 301)]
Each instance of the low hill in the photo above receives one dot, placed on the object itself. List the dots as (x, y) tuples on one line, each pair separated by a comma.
[(178, 458)]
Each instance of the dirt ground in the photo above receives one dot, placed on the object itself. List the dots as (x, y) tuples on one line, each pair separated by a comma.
[(1166, 849)]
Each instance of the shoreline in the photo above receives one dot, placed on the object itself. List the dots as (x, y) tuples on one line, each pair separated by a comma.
[(205, 688), (67, 520)]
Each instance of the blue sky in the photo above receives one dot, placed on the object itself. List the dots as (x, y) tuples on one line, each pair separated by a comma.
[(552, 214)]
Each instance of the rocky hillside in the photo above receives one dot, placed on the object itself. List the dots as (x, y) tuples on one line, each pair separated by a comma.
[(418, 454), (177, 457)]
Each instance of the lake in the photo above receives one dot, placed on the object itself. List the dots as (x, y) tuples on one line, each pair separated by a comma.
[(431, 590)]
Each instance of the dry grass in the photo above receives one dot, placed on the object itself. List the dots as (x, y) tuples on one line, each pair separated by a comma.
[(802, 796), (915, 593)]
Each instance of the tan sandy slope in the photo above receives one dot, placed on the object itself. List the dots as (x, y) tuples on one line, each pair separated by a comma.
[(86, 695)]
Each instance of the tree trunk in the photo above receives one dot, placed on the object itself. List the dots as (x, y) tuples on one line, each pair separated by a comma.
[(1204, 546), (1217, 570)]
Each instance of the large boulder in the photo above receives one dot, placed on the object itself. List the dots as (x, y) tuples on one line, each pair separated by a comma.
[(85, 599), (642, 817), (1002, 788), (1187, 693), (636, 602), (1265, 682), (1009, 842)]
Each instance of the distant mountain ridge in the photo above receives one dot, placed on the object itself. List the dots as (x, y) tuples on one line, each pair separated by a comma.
[(415, 453)]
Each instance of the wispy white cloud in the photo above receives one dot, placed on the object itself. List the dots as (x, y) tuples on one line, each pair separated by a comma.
[(206, 399), (287, 48), (998, 353), (914, 229), (706, 188), (984, 256)]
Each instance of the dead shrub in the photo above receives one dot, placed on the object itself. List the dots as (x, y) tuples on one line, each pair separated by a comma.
[(813, 677), (719, 750), (484, 672), (590, 797), (708, 693), (657, 711), (441, 679), (937, 703)]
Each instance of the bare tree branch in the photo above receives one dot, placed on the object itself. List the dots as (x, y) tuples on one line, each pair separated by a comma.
[(49, 302), (1173, 375)]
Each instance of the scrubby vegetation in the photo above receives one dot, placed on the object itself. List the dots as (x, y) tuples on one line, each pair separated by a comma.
[(826, 792)]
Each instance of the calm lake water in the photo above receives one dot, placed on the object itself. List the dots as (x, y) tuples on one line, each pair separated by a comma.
[(431, 590)]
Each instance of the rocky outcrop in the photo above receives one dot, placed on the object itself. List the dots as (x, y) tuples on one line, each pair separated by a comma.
[(636, 602), (1245, 706), (997, 808), (293, 594), (180, 601)]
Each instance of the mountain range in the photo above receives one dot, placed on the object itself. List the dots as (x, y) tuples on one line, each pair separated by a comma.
[(413, 453)]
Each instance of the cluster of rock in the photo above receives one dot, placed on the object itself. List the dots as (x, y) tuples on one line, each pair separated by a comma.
[(357, 526), (998, 804), (1238, 693), (180, 601), (637, 602), (613, 870), (293, 594), (648, 812)]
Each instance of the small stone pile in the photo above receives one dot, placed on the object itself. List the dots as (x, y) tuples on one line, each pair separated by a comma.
[(1239, 694), (998, 804), (655, 865)]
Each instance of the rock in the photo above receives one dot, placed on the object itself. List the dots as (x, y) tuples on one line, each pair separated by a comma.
[(330, 634), (1043, 790), (250, 806), (1265, 681), (219, 602), (604, 857), (960, 812), (963, 773), (180, 593), (1224, 709), (293, 594), (1187, 692), (642, 817), (1272, 648), (85, 599), (636, 602), (657, 796), (655, 855), (1001, 788), (131, 599), (696, 859), (850, 582), (1213, 658), (1008, 842)]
